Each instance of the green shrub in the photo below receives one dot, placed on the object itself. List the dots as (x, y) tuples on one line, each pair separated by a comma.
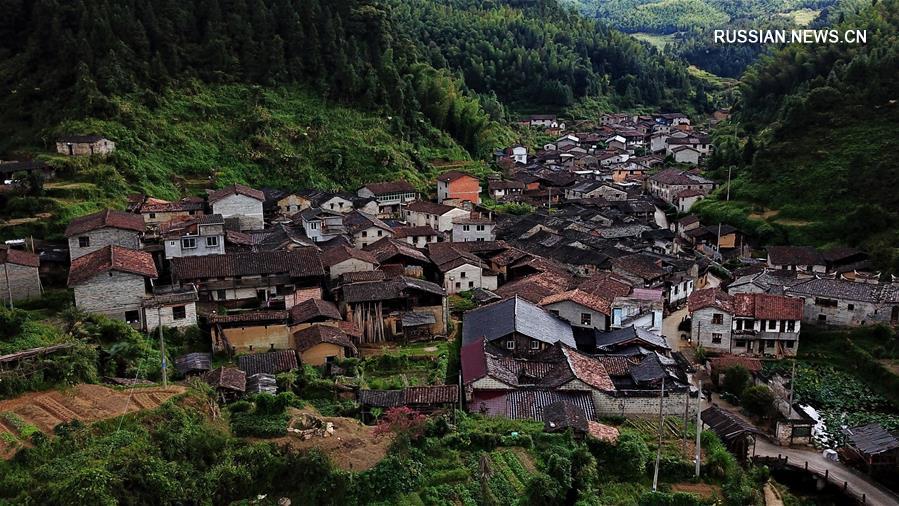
[(251, 424), (736, 379), (241, 406), (758, 401)]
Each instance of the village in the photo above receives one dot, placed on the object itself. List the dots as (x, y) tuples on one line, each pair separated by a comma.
[(572, 286)]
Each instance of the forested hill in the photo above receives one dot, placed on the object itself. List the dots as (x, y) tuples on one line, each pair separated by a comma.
[(819, 125)]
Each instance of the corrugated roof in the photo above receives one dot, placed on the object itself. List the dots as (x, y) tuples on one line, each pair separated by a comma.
[(872, 439)]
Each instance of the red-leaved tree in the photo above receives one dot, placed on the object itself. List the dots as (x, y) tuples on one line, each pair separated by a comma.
[(402, 421)]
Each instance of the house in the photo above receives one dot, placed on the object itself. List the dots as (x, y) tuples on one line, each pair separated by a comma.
[(424, 399), (545, 121), (473, 228), (343, 259), (519, 154), (239, 204), (516, 325), (196, 237), (873, 446), (191, 364), (321, 225), (314, 312), (796, 258), (19, 275), (416, 236), (156, 211), (458, 186), (389, 251), (737, 434), (617, 142), (686, 154), (272, 278), (745, 323), (322, 344), (579, 308), (365, 228), (338, 202), (270, 362), (377, 308), (459, 269), (173, 307), (112, 281), (90, 233), (292, 203), (501, 190), (250, 331), (229, 383), (8, 170), (672, 119), (841, 303), (641, 308), (391, 196), (438, 216), (84, 145), (631, 341), (700, 143), (685, 199), (668, 183)]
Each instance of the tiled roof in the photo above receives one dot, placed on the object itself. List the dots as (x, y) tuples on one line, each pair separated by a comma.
[(561, 415), (313, 308), (237, 189), (435, 394), (795, 255), (390, 187), (301, 262), (587, 300), (763, 306), (453, 175), (536, 287), (357, 221), (422, 230), (872, 439), (80, 139), (505, 185), (645, 266), (610, 340), (723, 362), (193, 362), (111, 258), (397, 288), (107, 218), (710, 297), (258, 316), (886, 293), (317, 334), (679, 177), (334, 256), (426, 207), (387, 248), (362, 276), (162, 206), (230, 378), (271, 362), (22, 166), (528, 404), (602, 432), (582, 367), (19, 257), (500, 319), (616, 365)]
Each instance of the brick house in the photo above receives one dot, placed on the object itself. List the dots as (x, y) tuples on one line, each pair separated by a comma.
[(19, 275), (84, 145), (90, 233), (745, 323), (156, 212), (669, 183), (240, 204), (841, 303), (113, 281), (173, 307), (456, 185)]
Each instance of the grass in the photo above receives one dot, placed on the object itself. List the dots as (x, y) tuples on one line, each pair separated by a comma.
[(718, 82), (659, 41), (801, 17)]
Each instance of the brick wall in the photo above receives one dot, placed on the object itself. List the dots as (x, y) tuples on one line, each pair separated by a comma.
[(104, 237), (247, 210), (111, 295), (23, 283)]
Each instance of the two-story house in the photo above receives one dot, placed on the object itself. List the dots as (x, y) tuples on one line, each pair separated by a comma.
[(197, 237), (113, 281), (391, 196), (156, 211), (418, 236), (473, 228), (502, 190), (579, 308), (796, 258), (321, 225), (90, 233), (669, 183), (458, 186), (460, 270), (514, 324), (438, 216), (240, 204), (365, 228)]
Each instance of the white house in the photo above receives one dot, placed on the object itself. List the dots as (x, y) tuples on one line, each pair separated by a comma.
[(469, 229), (241, 204), (365, 228), (438, 216), (201, 236), (686, 154), (322, 225)]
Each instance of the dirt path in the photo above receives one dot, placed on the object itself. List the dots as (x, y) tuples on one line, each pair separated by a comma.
[(45, 410), (772, 496)]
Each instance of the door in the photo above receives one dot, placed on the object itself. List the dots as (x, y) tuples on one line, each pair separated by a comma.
[(894, 316)]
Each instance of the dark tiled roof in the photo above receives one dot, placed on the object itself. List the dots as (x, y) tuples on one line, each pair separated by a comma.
[(530, 404), (387, 290), (608, 341), (505, 185), (726, 425), (302, 262), (111, 258), (259, 316), (262, 383), (23, 166), (388, 248), (19, 257), (271, 362), (79, 139), (426, 207), (317, 334), (230, 378), (435, 394), (237, 189), (390, 187), (313, 308), (872, 439), (422, 230), (453, 175), (727, 361), (357, 221), (795, 255), (645, 266), (362, 276), (161, 206), (342, 253), (515, 315), (847, 290), (103, 219), (561, 415), (577, 296), (193, 362)]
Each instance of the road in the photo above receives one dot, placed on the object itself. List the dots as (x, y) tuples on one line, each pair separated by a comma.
[(874, 493), (669, 329)]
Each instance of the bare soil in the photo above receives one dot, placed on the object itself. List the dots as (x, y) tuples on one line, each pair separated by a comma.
[(352, 447), (703, 490), (87, 403)]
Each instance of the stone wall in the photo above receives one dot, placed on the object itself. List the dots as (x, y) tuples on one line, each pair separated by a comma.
[(103, 237), (152, 316), (702, 329), (246, 209), (111, 293), (571, 312), (24, 282)]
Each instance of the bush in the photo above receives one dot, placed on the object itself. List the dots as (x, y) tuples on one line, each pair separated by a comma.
[(758, 401), (241, 406), (251, 424), (736, 379)]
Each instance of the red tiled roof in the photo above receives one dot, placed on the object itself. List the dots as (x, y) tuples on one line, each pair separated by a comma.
[(390, 187), (710, 297), (582, 298), (727, 361), (111, 258), (763, 306), (237, 189), (588, 369), (230, 378), (270, 362), (342, 253), (602, 432), (453, 175), (606, 285), (107, 218), (317, 334), (19, 257), (313, 308), (422, 230), (424, 206), (259, 316)]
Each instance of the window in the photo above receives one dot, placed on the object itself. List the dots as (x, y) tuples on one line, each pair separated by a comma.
[(850, 307), (769, 343), (819, 301), (365, 233), (791, 326), (480, 228), (510, 344), (739, 343), (479, 239), (535, 345), (462, 274), (716, 338), (313, 225), (676, 289), (458, 285), (380, 233), (772, 324), (789, 344), (554, 312), (471, 284), (212, 242), (219, 295), (717, 319), (805, 431), (179, 312), (466, 228), (84, 242), (132, 316), (822, 318), (188, 243), (586, 319)]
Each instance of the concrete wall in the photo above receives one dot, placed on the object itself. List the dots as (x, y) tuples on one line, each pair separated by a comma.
[(349, 265), (702, 329), (466, 277), (675, 404), (103, 237), (368, 236), (152, 316), (861, 313), (571, 312), (247, 209), (111, 293), (24, 282), (174, 247), (460, 234)]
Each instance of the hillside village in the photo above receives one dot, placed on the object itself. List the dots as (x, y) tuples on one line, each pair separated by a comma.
[(574, 277)]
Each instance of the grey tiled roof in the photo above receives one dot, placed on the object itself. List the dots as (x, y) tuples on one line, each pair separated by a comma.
[(515, 315)]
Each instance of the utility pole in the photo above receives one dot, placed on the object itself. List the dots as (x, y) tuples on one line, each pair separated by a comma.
[(698, 428), (792, 387), (165, 380), (655, 474), (8, 287)]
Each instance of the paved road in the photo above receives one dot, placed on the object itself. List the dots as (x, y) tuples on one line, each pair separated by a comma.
[(669, 329), (874, 493)]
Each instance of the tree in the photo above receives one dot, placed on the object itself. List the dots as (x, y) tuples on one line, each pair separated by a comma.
[(758, 401), (736, 379)]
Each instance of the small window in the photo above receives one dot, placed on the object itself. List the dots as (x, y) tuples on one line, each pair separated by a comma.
[(458, 285), (772, 324), (822, 318), (466, 228), (510, 344), (554, 312), (789, 344), (716, 338), (365, 233), (462, 274), (791, 326), (179, 312), (84, 242), (380, 233), (220, 295), (850, 307), (739, 343), (769, 343), (188, 243), (152, 216), (717, 319), (132, 316), (535, 345), (471, 284), (212, 242), (480, 228), (586, 319)]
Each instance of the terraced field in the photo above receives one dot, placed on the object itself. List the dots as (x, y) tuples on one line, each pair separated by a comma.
[(42, 411)]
